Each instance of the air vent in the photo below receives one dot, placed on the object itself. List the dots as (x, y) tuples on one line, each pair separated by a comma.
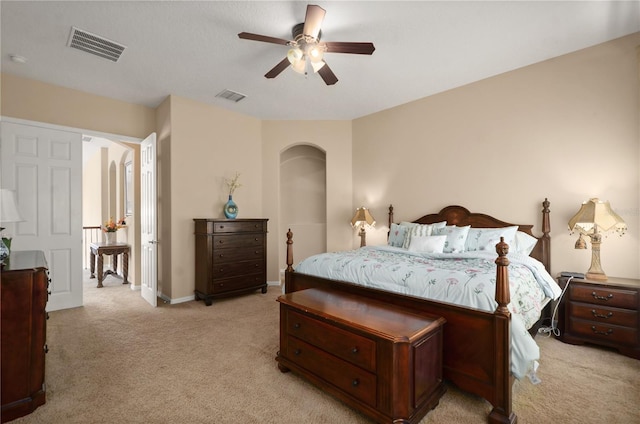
[(231, 95), (95, 44)]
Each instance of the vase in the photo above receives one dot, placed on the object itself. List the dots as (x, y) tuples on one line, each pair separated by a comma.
[(110, 237), (230, 208)]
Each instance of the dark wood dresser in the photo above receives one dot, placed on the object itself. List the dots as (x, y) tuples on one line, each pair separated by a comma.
[(231, 257), (24, 281), (384, 361), (601, 312)]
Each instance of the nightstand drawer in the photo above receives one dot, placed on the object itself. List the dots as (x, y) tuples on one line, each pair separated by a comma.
[(590, 293), (349, 378), (609, 333), (351, 347), (604, 315)]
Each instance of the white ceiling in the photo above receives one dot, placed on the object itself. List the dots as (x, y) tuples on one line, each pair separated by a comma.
[(191, 48)]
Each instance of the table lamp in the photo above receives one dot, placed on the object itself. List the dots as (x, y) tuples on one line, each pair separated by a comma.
[(361, 219), (8, 213), (594, 218)]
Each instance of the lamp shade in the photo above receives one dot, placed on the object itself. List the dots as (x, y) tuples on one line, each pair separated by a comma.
[(8, 207), (596, 215), (362, 217)]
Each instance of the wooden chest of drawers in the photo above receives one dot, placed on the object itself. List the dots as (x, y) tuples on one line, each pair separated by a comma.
[(24, 327), (384, 361), (231, 257), (601, 312)]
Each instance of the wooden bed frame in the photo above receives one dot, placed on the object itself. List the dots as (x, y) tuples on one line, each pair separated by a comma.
[(477, 343)]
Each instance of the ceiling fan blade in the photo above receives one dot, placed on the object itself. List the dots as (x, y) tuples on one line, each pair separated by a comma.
[(313, 20), (276, 70), (353, 48), (327, 75), (266, 39)]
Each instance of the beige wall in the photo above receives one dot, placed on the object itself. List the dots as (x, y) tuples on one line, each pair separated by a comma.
[(566, 129), (208, 144), (334, 138), (37, 101)]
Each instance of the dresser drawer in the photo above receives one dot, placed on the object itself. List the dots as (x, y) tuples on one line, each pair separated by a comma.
[(603, 332), (343, 375), (239, 226), (604, 315), (237, 283), (620, 298), (222, 256), (238, 268), (240, 240), (353, 348)]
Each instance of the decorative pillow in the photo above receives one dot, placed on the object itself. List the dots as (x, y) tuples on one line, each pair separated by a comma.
[(420, 230), (525, 243), (456, 237), (397, 235), (487, 238), (427, 244)]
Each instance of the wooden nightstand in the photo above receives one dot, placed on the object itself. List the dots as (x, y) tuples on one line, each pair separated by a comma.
[(601, 312)]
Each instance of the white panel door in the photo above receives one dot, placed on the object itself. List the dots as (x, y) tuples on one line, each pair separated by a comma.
[(44, 167), (148, 220)]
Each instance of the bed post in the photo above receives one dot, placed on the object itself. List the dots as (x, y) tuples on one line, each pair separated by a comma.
[(289, 251), (502, 402), (546, 239), (390, 216)]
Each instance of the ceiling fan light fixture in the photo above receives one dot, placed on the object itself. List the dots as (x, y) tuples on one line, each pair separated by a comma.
[(294, 55), (315, 53), (300, 66)]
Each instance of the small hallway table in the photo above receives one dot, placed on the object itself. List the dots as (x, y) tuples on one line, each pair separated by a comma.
[(113, 249)]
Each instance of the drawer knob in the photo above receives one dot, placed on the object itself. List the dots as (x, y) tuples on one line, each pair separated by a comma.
[(604, 333), (296, 325), (46, 349), (597, 315), (221, 241), (354, 350), (355, 382), (221, 255), (595, 296), (297, 352)]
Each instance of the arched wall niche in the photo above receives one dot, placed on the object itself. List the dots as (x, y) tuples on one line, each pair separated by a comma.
[(303, 197)]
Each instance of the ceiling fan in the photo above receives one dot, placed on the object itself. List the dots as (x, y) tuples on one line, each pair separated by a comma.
[(306, 53)]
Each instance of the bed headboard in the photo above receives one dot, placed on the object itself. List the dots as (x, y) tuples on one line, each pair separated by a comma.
[(461, 216)]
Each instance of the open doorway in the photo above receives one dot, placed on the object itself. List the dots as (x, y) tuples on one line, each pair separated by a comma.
[(109, 193)]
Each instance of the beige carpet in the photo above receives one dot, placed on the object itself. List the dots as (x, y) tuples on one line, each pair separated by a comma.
[(117, 360)]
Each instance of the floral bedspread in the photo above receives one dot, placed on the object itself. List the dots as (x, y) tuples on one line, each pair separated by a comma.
[(466, 279)]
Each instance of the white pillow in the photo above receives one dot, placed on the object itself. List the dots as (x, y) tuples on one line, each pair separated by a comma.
[(420, 230), (456, 237), (427, 244), (397, 235), (525, 243), (487, 238)]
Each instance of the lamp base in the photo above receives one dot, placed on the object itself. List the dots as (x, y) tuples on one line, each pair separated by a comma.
[(596, 276)]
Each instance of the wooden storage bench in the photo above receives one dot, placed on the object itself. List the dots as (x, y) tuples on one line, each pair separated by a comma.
[(380, 359)]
